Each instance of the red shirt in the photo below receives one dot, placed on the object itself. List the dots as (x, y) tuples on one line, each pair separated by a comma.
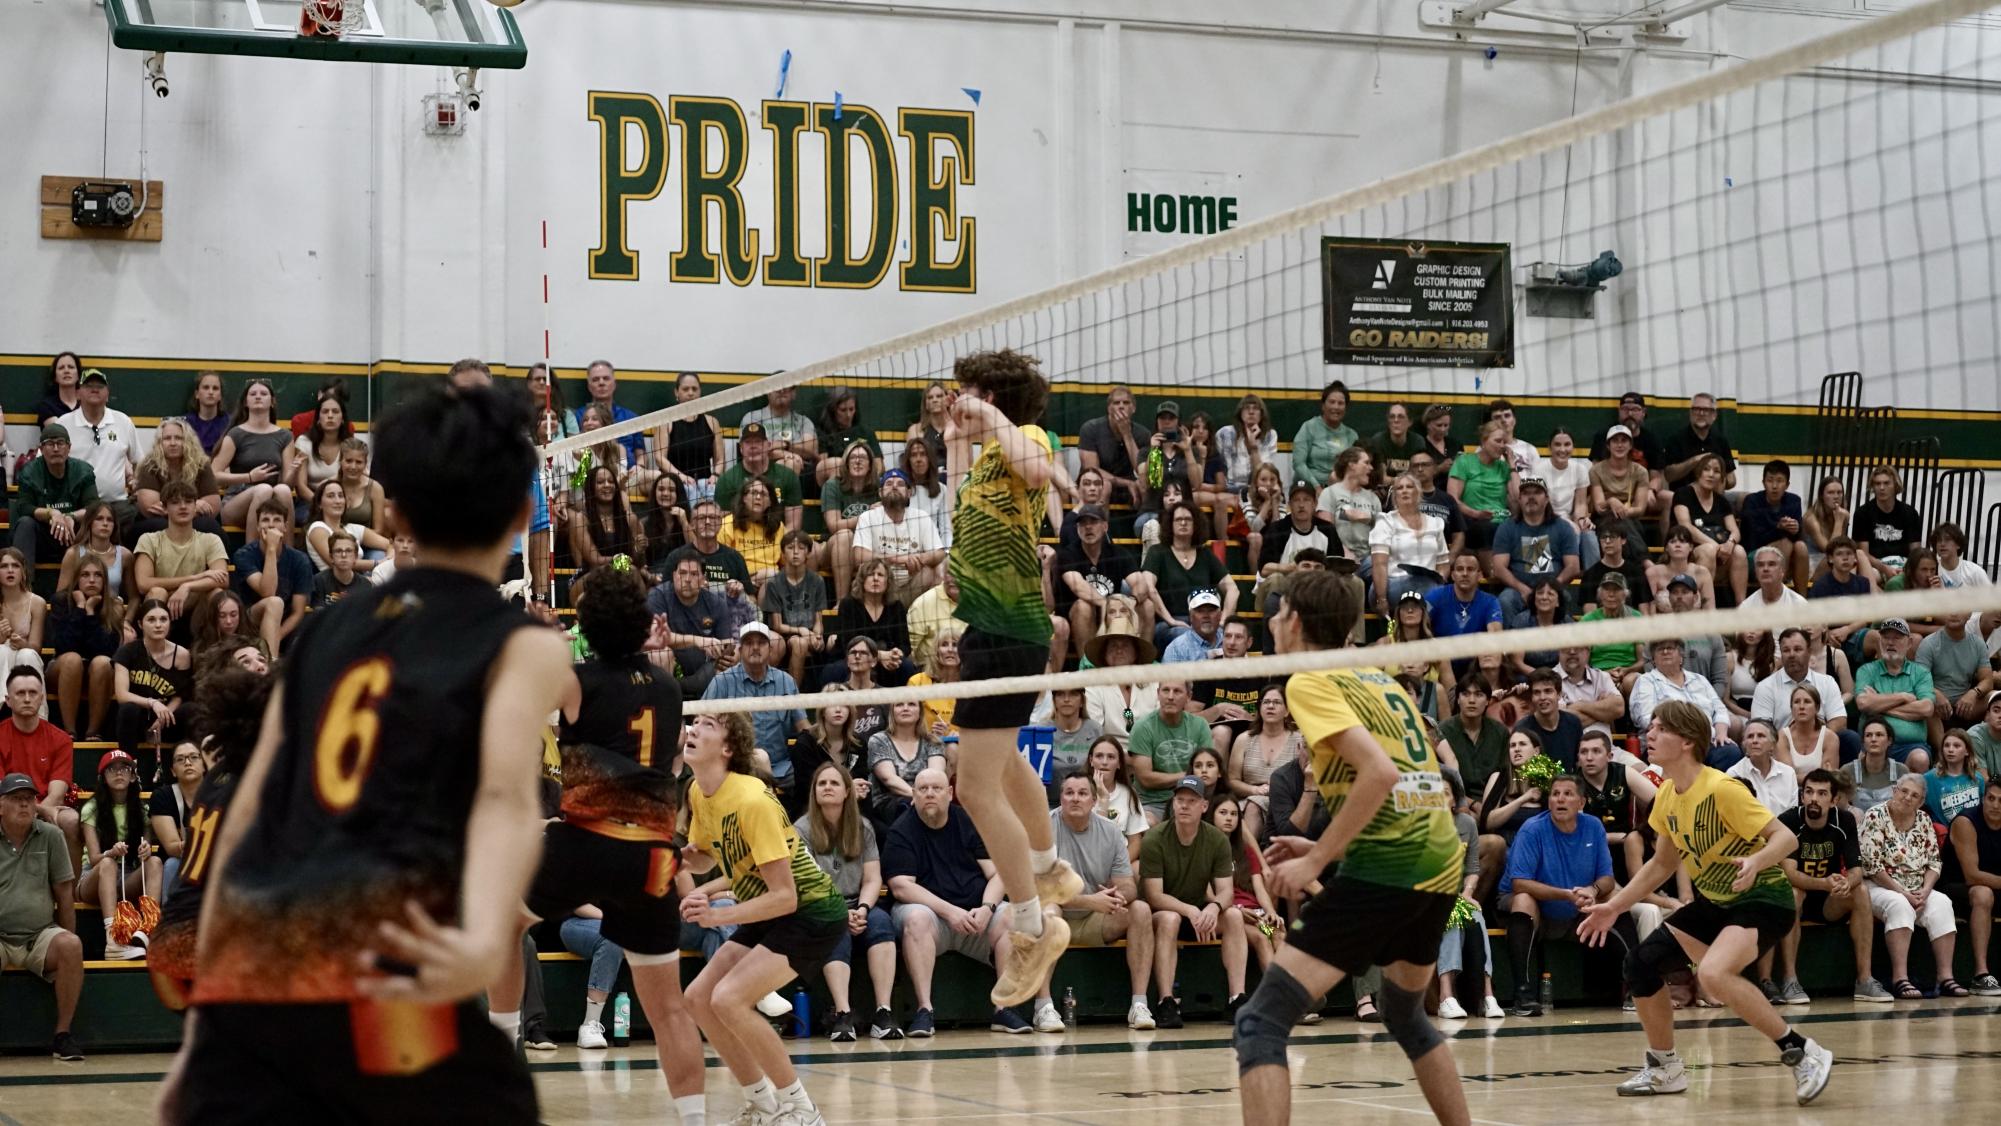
[(302, 423), (46, 755)]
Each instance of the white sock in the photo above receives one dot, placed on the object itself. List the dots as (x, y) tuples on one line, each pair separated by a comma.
[(762, 1095), (795, 1096), (692, 1109), (1041, 860), (1044, 1005), (510, 1023), (593, 1012), (1139, 998), (1028, 917)]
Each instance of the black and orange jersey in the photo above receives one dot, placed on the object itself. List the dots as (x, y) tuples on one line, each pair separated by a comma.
[(369, 790), (170, 952), (618, 751)]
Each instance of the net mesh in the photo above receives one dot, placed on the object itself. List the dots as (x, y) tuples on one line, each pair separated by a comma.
[(1822, 209)]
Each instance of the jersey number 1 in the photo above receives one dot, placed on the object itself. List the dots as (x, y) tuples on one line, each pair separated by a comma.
[(350, 729), (642, 731)]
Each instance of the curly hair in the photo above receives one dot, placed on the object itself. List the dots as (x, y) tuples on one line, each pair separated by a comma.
[(611, 612), (1013, 379), (228, 713)]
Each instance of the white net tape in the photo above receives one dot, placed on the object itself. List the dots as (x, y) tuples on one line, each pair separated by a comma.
[(998, 324), (1957, 602)]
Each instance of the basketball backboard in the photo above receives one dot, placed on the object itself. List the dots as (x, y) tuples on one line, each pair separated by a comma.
[(455, 33)]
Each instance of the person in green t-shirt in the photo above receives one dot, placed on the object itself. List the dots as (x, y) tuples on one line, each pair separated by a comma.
[(1322, 438), (1619, 660), (843, 499), (754, 460), (1483, 484), (1185, 871), (1162, 743)]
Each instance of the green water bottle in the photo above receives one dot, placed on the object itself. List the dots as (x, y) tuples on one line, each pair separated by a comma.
[(621, 1020)]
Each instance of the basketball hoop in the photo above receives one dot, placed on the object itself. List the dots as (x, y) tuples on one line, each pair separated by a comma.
[(330, 19)]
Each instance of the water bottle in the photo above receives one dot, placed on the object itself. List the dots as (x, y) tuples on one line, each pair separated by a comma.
[(1069, 1007), (621, 1020), (802, 1015), (1548, 994)]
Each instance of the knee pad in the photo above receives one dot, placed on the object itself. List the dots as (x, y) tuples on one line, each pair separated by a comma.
[(666, 959), (1265, 1022), (1649, 963), (1404, 1018)]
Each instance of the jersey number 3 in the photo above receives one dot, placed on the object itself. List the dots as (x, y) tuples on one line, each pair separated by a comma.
[(350, 730)]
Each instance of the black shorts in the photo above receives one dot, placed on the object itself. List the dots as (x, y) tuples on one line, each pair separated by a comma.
[(1353, 924), (1702, 920), (987, 656), (805, 943), (258, 1064), (631, 881), (1813, 909)]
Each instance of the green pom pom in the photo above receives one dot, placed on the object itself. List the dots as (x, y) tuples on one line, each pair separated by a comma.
[(1539, 772), (1462, 914)]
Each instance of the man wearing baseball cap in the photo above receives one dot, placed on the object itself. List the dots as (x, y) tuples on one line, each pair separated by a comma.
[(753, 449), (106, 440), (753, 677), (1900, 691), (1185, 870), (1647, 449), (1093, 570), (1532, 546), (38, 904), (910, 544), (50, 490)]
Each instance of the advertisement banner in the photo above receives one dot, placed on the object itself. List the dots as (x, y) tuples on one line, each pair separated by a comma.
[(1408, 302)]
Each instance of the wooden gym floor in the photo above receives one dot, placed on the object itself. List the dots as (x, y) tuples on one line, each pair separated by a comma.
[(1929, 1061)]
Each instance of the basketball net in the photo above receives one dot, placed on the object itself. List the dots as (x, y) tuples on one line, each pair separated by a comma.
[(330, 19)]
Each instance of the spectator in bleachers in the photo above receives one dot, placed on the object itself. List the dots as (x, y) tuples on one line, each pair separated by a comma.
[(1844, 577), (1703, 510), (1433, 500), (607, 453), (795, 441), (1568, 477), (723, 567), (870, 612), (896, 756), (826, 739), (151, 678), (1204, 636), (1296, 807), (180, 564), (1875, 773), (1247, 443), (1301, 528), (1774, 518), (402, 553), (38, 905), (1073, 733), (1506, 801), (601, 381), (1117, 797), (543, 395), (1954, 569), (1407, 547), (1901, 692), (340, 576), (1208, 482), (1828, 518), (1478, 744), (1702, 436), (167, 812), (1705, 655), (49, 492), (690, 450), (840, 426), (753, 530), (1392, 447), (1229, 704), (944, 667), (1900, 854), (85, 627), (1952, 785), (932, 612), (1589, 692), (1825, 870), (947, 894), (664, 522), (1748, 658), (753, 450), (1163, 742), (1321, 439), (1206, 766), (1351, 504), (753, 677), (1678, 562), (1463, 607), (604, 525), (1521, 453), (792, 602), (1180, 567), (1647, 448), (1453, 948), (316, 453), (335, 388), (1806, 741), (1986, 738), (1532, 547), (1920, 573), (844, 499), (1510, 697), (1411, 621), (1972, 865), (1546, 607), (1438, 442), (59, 394), (175, 456), (219, 620), (1772, 779), (1483, 483), (1247, 879), (1185, 870), (1620, 660), (1559, 731), (1092, 570), (1271, 743), (1612, 557), (253, 463), (122, 863), (1112, 909), (277, 576), (330, 515), (908, 543), (1619, 798), (1622, 489), (928, 430), (843, 844), (23, 614), (1117, 445), (205, 417), (35, 747), (929, 499), (1173, 483), (1668, 680), (1886, 528), (1120, 642), (1962, 676), (697, 624), (1558, 865), (1768, 568), (104, 438)]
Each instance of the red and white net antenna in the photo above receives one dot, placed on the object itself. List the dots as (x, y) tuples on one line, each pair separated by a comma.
[(549, 484)]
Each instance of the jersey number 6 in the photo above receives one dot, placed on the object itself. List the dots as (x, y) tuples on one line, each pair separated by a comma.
[(349, 732)]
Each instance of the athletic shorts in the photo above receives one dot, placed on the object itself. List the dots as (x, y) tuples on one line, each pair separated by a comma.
[(1353, 925), (1702, 920), (360, 1063), (988, 656), (632, 882), (805, 943)]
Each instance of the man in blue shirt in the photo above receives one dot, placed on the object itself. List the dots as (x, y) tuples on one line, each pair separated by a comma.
[(1558, 865), (601, 379), (1463, 607), (697, 624), (1205, 637), (754, 678), (1775, 517), (272, 578)]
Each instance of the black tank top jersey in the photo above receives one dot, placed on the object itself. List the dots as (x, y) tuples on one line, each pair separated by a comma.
[(1986, 848), (368, 795), (691, 448), (617, 754), (170, 954)]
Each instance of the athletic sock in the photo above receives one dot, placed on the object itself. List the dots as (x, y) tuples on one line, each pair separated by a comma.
[(1041, 860), (1791, 1041), (1028, 917), (762, 1095), (1521, 950), (1139, 999), (1662, 1059), (692, 1109), (510, 1023), (795, 1096), (593, 1012)]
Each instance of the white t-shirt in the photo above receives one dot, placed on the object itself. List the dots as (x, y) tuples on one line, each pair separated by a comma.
[(913, 535), (1407, 548), (108, 448), (312, 553), (1564, 483)]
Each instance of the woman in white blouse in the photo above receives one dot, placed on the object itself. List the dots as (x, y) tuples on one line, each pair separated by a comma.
[(1406, 547)]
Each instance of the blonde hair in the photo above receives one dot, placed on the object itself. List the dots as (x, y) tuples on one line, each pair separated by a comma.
[(193, 460)]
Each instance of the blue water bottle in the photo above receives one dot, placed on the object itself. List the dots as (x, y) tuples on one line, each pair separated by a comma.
[(802, 1015)]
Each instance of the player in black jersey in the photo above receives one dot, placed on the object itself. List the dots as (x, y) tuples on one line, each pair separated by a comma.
[(614, 847), (229, 709), (366, 884)]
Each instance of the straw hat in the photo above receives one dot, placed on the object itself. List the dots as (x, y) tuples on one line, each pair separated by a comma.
[(1121, 620)]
